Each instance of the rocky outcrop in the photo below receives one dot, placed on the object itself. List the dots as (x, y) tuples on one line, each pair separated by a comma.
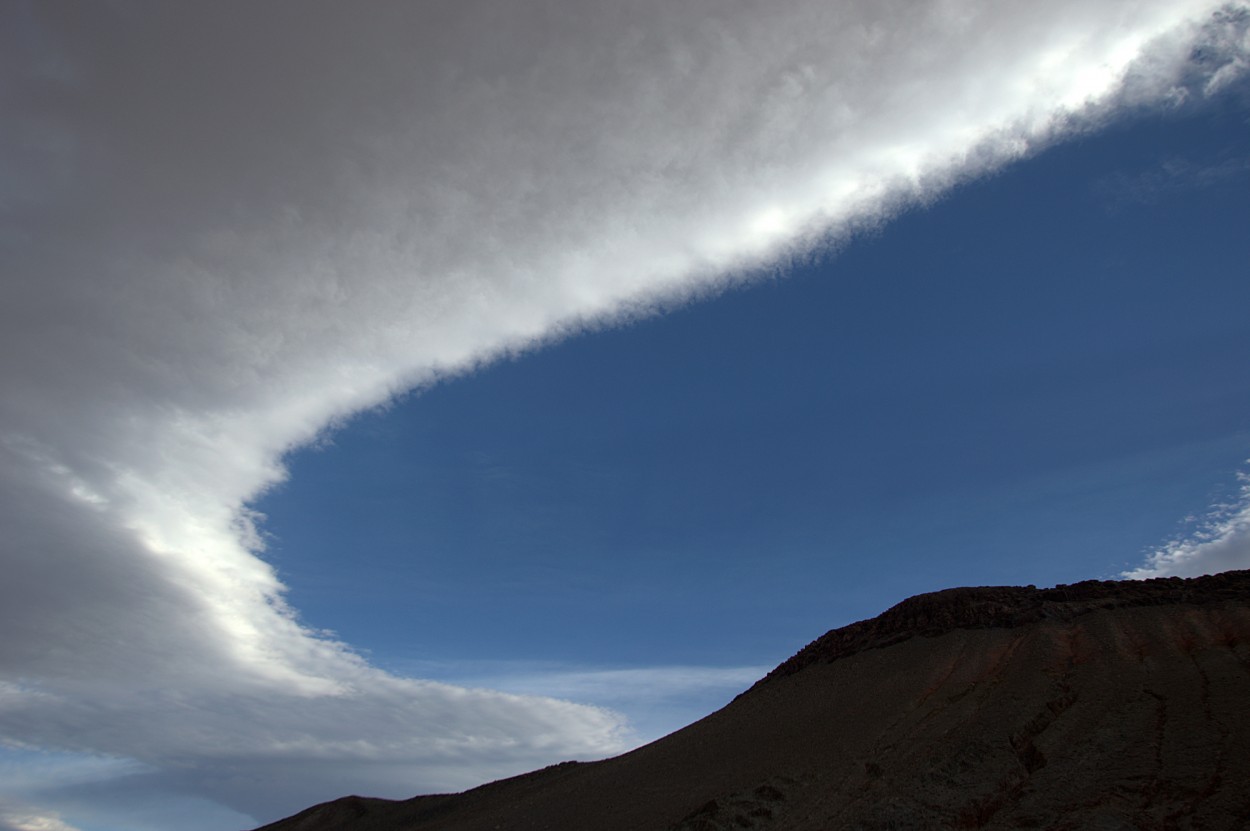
[(1009, 607)]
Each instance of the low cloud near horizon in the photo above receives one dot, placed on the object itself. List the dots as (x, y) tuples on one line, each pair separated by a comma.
[(228, 229), (1218, 541)]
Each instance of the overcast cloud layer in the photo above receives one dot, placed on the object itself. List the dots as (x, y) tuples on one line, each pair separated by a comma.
[(226, 228)]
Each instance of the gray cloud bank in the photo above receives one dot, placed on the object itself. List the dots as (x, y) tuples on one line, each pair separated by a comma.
[(227, 227)]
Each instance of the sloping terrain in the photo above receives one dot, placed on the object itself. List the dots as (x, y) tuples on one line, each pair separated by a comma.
[(1099, 705)]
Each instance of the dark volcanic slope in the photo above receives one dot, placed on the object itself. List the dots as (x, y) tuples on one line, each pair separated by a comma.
[(1098, 705)]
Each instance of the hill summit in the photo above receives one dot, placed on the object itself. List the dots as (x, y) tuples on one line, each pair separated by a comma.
[(1097, 705)]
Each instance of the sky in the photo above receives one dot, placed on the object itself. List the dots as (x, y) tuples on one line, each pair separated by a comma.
[(401, 396)]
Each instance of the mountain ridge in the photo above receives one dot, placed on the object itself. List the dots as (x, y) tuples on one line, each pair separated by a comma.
[(1006, 607), (1099, 704)]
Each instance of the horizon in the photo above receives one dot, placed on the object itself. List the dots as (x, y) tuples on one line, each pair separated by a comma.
[(400, 401)]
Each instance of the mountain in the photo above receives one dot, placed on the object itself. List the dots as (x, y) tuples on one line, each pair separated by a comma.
[(1098, 705)]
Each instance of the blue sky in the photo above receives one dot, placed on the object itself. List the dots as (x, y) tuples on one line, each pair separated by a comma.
[(397, 400), (1033, 380)]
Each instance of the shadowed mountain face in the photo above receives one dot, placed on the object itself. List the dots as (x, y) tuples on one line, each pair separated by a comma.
[(1098, 705)]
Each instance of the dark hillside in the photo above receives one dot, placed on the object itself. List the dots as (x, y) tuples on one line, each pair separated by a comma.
[(1105, 705)]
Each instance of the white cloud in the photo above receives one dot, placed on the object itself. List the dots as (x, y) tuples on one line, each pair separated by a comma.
[(1220, 542), (25, 818), (629, 683), (1226, 48), (225, 230), (656, 700)]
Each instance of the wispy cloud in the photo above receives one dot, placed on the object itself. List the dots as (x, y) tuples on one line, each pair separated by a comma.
[(656, 700), (628, 683), (25, 818), (1173, 176), (1219, 541), (225, 231)]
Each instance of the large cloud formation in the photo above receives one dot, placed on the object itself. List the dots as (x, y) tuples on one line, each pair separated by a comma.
[(227, 227)]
